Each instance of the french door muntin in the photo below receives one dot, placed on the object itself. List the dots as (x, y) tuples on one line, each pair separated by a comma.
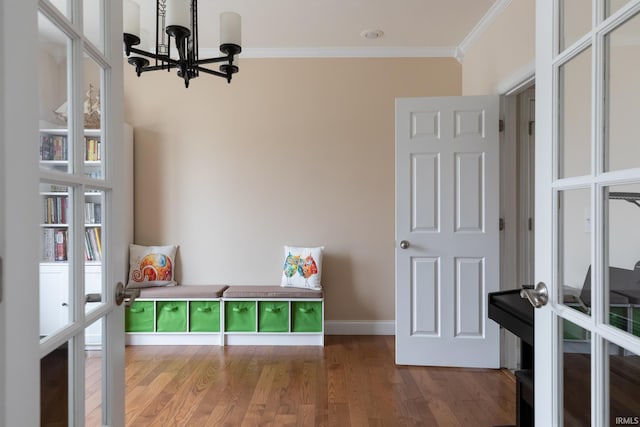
[(81, 186), (593, 182)]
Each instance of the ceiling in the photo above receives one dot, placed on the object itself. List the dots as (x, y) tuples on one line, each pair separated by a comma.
[(334, 27)]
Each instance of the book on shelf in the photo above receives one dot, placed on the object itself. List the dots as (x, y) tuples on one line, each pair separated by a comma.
[(93, 247), (55, 209), (92, 213), (60, 245), (92, 149), (48, 245), (53, 147)]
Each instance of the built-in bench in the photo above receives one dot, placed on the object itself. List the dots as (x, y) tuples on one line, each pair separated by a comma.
[(175, 315), (226, 315), (272, 315)]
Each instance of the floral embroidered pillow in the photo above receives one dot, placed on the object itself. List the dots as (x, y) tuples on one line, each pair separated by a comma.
[(302, 267), (151, 266)]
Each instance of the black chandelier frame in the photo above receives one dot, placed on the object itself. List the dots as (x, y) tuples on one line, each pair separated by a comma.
[(188, 64)]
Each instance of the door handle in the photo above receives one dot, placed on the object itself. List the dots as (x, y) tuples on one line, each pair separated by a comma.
[(92, 298), (404, 244), (129, 294), (538, 296)]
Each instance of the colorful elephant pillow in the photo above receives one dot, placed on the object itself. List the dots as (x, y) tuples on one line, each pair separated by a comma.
[(151, 266), (302, 267)]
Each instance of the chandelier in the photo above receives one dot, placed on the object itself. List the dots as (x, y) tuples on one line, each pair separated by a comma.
[(178, 19)]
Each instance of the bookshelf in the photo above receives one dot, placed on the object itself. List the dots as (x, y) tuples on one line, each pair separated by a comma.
[(72, 208)]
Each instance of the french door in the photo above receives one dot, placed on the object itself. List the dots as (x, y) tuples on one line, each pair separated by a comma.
[(65, 231), (587, 239)]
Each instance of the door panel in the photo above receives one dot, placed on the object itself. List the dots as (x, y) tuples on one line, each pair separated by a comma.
[(587, 216), (447, 217)]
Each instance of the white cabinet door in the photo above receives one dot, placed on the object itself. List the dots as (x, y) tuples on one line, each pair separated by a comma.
[(54, 297)]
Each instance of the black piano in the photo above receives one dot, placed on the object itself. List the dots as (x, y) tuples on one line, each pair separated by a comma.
[(516, 315)]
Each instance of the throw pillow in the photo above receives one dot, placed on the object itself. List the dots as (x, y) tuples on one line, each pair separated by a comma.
[(302, 267), (151, 266)]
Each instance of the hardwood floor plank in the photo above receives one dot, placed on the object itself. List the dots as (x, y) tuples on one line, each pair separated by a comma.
[(351, 381)]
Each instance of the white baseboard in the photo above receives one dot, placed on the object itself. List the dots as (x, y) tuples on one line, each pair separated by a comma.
[(360, 327)]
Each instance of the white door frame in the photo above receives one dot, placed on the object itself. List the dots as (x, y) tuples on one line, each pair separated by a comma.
[(21, 353), (509, 199)]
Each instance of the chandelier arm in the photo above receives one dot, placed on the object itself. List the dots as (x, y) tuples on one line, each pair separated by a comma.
[(163, 58), (215, 73), (158, 67), (213, 60)]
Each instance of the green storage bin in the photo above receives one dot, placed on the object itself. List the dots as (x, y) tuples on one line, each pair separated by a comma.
[(306, 316), (273, 316), (139, 317), (204, 316), (571, 331), (240, 316), (171, 316), (618, 317)]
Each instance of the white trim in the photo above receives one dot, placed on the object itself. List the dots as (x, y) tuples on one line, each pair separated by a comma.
[(360, 327), (518, 81), (494, 11), (341, 52)]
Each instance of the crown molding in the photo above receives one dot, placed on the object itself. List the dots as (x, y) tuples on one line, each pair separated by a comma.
[(496, 10), (341, 52)]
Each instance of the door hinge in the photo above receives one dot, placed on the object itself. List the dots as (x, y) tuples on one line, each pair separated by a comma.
[(530, 224), (532, 127), (501, 224), (501, 125)]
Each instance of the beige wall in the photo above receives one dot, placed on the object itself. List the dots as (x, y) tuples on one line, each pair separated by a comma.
[(502, 52), (294, 151)]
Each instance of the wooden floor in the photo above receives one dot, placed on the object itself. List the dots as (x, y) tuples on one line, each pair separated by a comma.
[(351, 381)]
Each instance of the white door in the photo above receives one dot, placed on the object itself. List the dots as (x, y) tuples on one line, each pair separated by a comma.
[(63, 48), (587, 238), (447, 241)]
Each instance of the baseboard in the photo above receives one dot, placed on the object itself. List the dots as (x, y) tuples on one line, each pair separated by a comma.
[(359, 327)]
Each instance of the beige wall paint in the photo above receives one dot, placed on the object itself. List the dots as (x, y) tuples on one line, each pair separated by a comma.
[(294, 151), (502, 51)]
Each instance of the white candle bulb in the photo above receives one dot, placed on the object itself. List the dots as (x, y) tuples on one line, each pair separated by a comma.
[(230, 32), (131, 18), (178, 13)]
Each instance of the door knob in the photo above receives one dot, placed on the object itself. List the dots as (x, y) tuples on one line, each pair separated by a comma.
[(92, 298), (538, 296), (122, 293), (404, 244)]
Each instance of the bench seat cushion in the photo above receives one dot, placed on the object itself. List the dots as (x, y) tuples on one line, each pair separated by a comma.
[(269, 292), (183, 291)]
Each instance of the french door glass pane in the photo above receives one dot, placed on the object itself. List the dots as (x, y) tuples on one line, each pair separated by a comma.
[(576, 377), (63, 6), (574, 121), (575, 21), (55, 301), (574, 242), (614, 5), (623, 214), (622, 150), (54, 382), (53, 60), (93, 386), (624, 386), (92, 146), (92, 22), (93, 250)]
